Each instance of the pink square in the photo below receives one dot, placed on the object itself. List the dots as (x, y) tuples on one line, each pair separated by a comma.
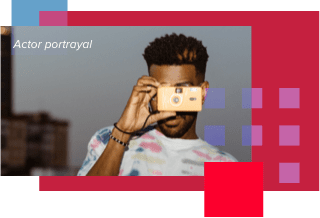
[(289, 97), (289, 172), (53, 18), (289, 135), (256, 98), (256, 136)]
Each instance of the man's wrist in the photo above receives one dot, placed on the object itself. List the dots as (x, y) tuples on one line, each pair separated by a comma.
[(121, 136)]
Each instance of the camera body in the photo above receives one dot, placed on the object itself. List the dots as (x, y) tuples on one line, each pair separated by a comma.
[(179, 98)]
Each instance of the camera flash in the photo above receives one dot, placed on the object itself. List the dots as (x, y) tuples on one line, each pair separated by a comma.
[(193, 89)]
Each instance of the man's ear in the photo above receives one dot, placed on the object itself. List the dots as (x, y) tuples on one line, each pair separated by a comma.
[(204, 87)]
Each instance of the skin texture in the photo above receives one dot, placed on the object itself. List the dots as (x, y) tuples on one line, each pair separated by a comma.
[(183, 125)]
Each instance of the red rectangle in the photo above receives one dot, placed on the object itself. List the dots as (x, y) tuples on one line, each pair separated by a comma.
[(160, 18), (121, 183), (233, 189)]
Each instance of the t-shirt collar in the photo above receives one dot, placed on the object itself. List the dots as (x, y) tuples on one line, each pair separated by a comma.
[(176, 143)]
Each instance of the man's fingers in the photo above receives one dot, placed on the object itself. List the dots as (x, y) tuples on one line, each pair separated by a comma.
[(139, 89), (150, 94), (148, 81), (148, 77), (152, 83)]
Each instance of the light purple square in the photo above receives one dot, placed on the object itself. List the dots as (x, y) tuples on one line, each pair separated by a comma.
[(256, 135), (289, 97), (289, 135), (289, 172), (246, 136), (215, 98), (215, 135), (246, 98)]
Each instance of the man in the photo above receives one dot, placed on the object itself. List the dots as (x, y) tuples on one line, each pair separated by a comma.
[(170, 148)]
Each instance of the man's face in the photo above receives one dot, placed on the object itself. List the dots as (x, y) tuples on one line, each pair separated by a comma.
[(174, 75)]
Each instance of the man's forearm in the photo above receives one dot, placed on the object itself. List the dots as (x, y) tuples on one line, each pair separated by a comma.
[(109, 162)]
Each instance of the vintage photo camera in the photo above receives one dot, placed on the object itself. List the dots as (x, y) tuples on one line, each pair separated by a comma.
[(181, 98)]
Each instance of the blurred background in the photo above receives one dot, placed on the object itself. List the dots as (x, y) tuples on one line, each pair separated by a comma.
[(32, 143), (53, 101)]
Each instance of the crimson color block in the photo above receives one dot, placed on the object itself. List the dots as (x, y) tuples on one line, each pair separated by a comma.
[(233, 189), (276, 64), (285, 53), (121, 183)]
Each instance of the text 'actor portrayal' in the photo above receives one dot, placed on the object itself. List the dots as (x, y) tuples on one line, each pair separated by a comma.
[(170, 96)]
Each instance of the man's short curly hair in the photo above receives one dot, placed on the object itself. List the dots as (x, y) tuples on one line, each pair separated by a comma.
[(177, 50)]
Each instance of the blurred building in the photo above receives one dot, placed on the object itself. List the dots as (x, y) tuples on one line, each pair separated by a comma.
[(30, 142), (13, 142), (33, 141), (6, 77), (6, 90)]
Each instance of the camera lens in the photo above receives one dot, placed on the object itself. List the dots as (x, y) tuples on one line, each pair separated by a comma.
[(175, 100)]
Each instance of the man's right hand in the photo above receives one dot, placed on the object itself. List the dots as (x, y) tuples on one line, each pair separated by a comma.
[(137, 111), (132, 119)]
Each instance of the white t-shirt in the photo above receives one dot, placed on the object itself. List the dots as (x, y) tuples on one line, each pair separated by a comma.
[(153, 154)]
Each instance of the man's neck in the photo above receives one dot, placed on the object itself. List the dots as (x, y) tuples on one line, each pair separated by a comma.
[(190, 134)]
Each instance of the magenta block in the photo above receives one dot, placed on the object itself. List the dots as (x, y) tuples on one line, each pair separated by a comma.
[(256, 135), (289, 135), (256, 97), (289, 97), (53, 18), (289, 172)]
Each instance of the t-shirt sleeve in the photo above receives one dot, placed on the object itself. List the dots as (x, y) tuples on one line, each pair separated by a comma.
[(96, 146), (229, 157)]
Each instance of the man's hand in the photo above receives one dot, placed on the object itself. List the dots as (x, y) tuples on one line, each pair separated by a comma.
[(136, 110)]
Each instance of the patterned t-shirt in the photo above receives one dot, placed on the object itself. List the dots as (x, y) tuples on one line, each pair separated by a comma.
[(153, 154)]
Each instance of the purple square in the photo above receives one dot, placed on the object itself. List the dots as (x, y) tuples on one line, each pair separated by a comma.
[(246, 135), (289, 172), (289, 135), (215, 98), (246, 98), (214, 135), (289, 97)]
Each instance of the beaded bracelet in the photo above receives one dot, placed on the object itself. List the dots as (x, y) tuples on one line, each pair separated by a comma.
[(117, 140)]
